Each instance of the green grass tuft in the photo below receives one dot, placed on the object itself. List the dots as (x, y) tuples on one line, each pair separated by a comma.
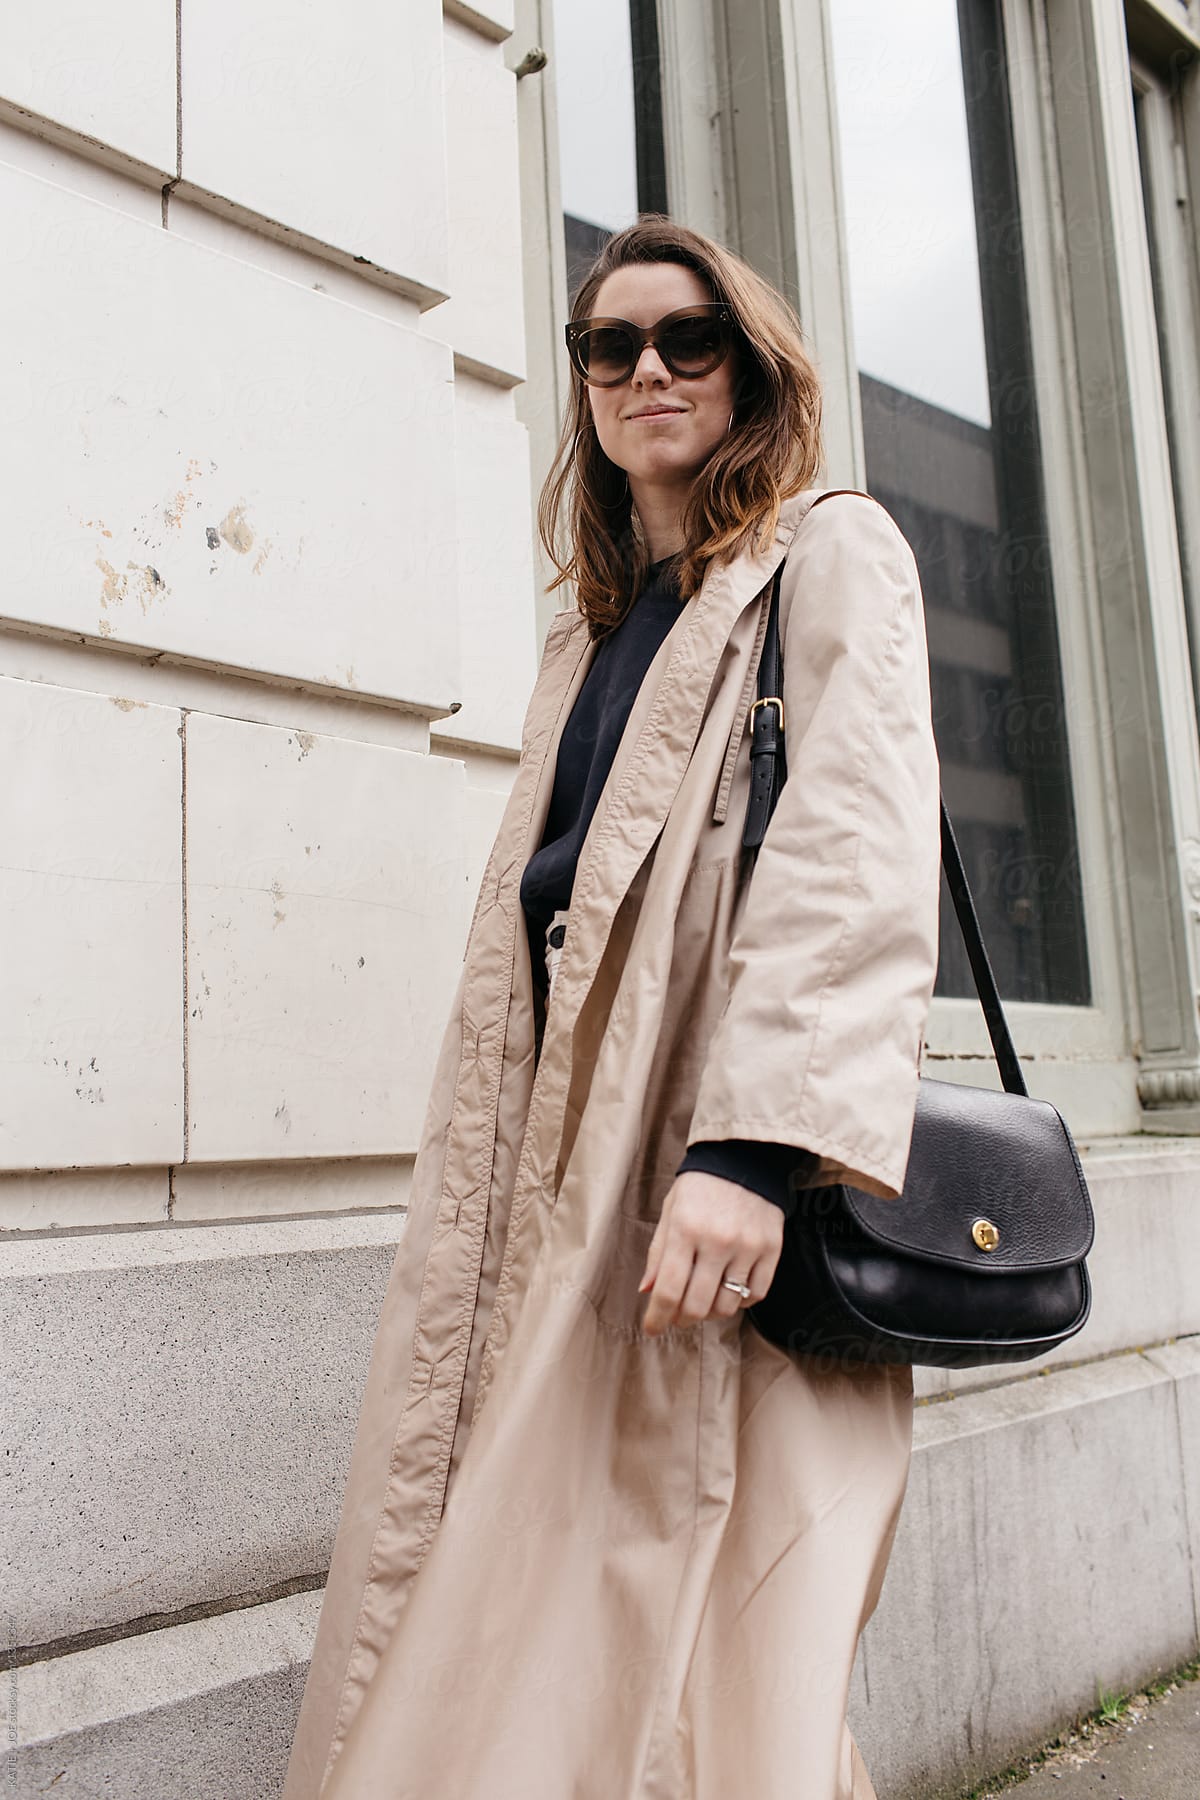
[(1111, 1707)]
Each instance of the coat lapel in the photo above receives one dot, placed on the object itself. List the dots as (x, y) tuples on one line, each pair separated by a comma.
[(649, 766)]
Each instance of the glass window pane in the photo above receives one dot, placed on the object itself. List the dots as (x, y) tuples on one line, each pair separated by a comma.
[(609, 121), (952, 450)]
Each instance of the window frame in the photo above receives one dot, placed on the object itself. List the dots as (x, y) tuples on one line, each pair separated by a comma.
[(1175, 292), (1078, 1056), (1086, 1059)]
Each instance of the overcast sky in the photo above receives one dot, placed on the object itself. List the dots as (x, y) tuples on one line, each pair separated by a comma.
[(905, 177)]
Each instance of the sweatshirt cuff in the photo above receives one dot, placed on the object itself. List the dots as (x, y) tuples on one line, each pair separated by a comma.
[(776, 1171)]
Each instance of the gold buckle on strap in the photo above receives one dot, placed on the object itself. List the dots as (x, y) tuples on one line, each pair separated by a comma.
[(767, 700)]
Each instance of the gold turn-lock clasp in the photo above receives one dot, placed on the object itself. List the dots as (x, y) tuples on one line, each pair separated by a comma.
[(767, 700), (985, 1234)]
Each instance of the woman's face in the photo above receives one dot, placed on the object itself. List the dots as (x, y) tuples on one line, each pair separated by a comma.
[(659, 427)]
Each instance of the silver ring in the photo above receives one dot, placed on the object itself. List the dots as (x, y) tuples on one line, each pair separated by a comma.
[(739, 1287)]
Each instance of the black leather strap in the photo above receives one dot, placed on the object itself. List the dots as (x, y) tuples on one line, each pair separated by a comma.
[(768, 756), (768, 772), (981, 968)]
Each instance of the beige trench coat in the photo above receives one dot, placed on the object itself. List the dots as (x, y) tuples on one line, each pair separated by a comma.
[(575, 1562)]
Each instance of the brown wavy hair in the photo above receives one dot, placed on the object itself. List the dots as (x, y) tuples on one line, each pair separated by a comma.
[(773, 448)]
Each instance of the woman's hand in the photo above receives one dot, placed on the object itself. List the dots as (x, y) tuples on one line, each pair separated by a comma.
[(710, 1230)]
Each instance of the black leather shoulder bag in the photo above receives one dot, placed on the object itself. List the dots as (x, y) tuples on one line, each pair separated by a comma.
[(981, 1258)]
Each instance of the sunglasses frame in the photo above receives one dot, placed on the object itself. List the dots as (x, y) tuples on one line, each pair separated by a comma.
[(641, 335)]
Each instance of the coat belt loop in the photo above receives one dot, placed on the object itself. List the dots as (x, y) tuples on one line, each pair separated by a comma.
[(742, 716)]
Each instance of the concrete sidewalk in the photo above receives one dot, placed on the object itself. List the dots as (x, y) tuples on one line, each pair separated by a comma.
[(1152, 1752)]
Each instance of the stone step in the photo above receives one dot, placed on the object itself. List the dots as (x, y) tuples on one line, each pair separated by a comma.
[(205, 1708), (182, 1405)]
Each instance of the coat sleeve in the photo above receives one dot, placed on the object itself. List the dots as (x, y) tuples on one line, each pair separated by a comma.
[(835, 947), (777, 1172)]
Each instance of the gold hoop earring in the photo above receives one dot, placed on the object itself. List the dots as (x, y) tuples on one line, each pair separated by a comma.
[(729, 427)]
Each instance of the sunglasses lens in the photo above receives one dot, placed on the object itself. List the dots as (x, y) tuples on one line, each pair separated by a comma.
[(693, 346), (605, 354)]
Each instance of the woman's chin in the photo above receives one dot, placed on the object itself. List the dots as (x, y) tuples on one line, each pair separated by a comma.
[(664, 471)]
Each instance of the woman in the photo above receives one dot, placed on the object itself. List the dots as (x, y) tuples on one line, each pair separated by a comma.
[(601, 1540)]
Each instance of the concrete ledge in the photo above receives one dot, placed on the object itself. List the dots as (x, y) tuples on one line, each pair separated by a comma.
[(185, 1396), (1045, 1547), (46, 1200), (200, 1709), (1181, 1361), (184, 1401), (1146, 1198)]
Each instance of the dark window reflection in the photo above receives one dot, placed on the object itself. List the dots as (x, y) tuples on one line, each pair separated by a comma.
[(952, 450)]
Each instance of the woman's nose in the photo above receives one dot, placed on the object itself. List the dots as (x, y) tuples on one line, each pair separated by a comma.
[(650, 367)]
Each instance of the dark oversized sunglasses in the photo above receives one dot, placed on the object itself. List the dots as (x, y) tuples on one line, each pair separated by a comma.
[(692, 341)]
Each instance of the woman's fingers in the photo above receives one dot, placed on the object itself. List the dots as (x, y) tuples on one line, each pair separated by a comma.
[(706, 1297), (710, 1230), (726, 1301), (657, 1245), (670, 1283), (763, 1274)]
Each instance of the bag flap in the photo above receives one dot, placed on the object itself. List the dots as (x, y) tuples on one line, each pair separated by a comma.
[(984, 1154)]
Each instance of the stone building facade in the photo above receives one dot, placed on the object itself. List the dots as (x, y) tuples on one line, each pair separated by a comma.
[(281, 372)]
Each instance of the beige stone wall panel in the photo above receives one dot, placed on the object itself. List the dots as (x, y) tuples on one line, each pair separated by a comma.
[(325, 120), (91, 980), (484, 317), (207, 460), (104, 72), (327, 911)]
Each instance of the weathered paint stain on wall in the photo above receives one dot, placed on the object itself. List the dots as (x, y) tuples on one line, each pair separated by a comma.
[(174, 509), (146, 586), (235, 531)]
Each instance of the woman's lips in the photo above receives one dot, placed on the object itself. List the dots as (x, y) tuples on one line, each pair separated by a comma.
[(659, 412)]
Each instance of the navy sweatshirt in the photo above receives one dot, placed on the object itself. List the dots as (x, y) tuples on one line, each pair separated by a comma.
[(585, 756)]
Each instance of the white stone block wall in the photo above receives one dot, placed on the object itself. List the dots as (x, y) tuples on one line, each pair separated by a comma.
[(268, 624), (91, 1026), (105, 77), (328, 122), (267, 614)]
